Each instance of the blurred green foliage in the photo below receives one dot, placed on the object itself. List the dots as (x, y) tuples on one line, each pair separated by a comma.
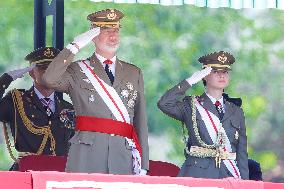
[(165, 42)]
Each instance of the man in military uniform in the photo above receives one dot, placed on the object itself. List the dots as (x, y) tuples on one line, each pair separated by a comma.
[(108, 98), (40, 122), (217, 143)]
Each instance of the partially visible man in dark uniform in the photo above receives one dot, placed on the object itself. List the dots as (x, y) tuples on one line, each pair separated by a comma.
[(40, 122)]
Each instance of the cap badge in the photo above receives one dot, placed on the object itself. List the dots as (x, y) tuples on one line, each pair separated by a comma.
[(222, 58), (48, 53), (112, 15)]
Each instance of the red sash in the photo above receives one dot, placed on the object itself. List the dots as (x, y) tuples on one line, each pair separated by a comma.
[(108, 126)]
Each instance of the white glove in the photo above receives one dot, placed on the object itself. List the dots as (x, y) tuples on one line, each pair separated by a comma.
[(83, 39), (15, 74), (143, 172), (199, 75)]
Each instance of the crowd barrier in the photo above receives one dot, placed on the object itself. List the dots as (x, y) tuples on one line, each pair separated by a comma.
[(61, 180)]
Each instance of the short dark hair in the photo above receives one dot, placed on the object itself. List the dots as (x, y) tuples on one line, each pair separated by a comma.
[(204, 82)]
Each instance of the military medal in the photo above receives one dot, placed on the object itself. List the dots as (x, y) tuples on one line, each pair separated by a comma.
[(67, 117), (91, 98), (134, 95), (129, 86), (125, 93), (48, 112), (130, 103), (237, 135), (130, 94)]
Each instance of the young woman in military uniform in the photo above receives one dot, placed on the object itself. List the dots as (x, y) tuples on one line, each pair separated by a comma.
[(217, 143)]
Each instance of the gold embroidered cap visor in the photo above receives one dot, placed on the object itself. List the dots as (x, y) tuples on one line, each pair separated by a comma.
[(217, 60), (42, 56), (108, 18), (218, 67)]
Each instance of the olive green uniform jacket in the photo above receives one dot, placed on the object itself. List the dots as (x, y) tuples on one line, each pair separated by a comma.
[(94, 151)]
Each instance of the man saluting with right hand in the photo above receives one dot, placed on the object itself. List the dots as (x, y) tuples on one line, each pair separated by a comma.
[(108, 98)]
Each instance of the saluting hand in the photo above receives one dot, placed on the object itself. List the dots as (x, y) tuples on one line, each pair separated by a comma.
[(15, 74), (198, 76), (83, 39)]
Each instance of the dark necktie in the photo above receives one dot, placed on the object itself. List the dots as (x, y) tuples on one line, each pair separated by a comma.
[(108, 72), (46, 103), (219, 109)]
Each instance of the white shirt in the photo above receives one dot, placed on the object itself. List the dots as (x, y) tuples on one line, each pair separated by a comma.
[(111, 66), (51, 97), (221, 100)]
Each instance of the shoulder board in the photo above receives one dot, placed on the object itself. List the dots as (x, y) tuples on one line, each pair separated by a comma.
[(129, 65)]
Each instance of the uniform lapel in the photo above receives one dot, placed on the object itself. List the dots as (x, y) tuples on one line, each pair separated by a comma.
[(229, 109), (208, 104), (58, 106), (118, 73), (99, 69)]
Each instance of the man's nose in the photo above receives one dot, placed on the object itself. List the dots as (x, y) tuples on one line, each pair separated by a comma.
[(113, 36), (221, 74)]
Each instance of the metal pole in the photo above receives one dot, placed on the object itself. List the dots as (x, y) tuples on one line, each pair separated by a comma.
[(39, 25), (58, 25)]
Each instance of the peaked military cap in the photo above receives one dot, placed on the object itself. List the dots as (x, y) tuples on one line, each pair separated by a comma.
[(108, 18), (217, 60), (42, 56)]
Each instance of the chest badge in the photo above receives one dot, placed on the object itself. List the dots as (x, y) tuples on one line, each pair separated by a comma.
[(48, 112), (91, 98), (237, 135), (67, 117), (130, 94)]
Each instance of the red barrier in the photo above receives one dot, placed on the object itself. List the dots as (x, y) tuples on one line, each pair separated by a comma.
[(57, 180), (15, 180), (60, 180), (42, 163)]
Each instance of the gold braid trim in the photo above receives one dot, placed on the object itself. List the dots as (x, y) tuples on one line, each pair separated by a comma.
[(196, 133), (195, 128), (45, 130), (8, 143)]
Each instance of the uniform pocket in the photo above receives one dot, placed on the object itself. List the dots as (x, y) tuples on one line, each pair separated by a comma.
[(80, 138), (86, 84), (234, 132), (235, 124)]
